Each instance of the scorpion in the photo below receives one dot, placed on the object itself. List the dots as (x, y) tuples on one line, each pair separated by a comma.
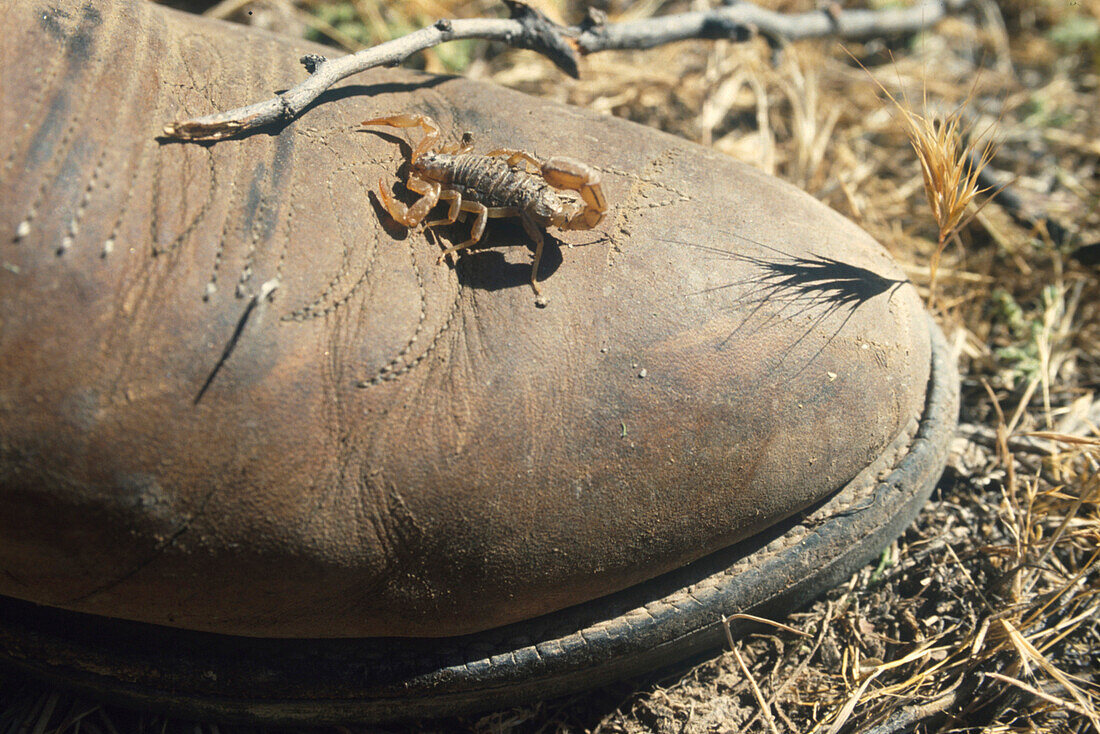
[(501, 183)]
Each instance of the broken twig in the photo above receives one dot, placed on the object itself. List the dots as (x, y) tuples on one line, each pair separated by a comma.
[(528, 28)]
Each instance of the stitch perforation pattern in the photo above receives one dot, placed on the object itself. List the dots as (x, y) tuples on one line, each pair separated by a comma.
[(211, 170), (321, 306), (262, 211), (359, 262), (132, 100), (389, 373), (421, 317), (227, 221), (74, 222), (138, 166), (199, 216), (64, 145)]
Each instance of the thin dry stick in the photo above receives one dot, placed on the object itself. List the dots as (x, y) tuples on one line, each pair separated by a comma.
[(764, 620), (845, 712), (1028, 655), (794, 675), (906, 719), (530, 29), (1041, 694), (764, 707)]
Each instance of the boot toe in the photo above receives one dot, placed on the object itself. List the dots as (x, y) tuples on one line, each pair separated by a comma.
[(245, 412)]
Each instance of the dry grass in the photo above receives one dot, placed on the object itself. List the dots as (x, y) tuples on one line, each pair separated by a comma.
[(985, 615), (952, 159)]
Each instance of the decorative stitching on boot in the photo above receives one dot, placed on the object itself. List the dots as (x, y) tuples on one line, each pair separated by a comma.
[(382, 376), (74, 47)]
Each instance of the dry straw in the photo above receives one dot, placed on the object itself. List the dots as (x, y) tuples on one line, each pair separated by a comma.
[(951, 158)]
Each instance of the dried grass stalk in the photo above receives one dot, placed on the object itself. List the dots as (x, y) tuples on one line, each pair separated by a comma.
[(951, 158)]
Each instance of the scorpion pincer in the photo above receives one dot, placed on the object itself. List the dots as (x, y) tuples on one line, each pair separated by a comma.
[(501, 183)]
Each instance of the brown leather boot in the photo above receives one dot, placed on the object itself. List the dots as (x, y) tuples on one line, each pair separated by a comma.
[(261, 457)]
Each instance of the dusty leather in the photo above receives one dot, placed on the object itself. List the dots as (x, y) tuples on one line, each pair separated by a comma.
[(235, 397)]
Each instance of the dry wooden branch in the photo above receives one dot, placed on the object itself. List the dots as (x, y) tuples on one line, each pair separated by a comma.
[(528, 28)]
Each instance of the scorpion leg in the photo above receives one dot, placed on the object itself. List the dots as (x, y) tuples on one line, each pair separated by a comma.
[(453, 208), (515, 156), (482, 215), (412, 215), (431, 130), (535, 234)]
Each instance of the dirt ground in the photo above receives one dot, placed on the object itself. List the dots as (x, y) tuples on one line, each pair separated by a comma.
[(985, 614)]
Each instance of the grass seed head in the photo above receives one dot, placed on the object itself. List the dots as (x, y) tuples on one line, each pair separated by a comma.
[(951, 158), (951, 161)]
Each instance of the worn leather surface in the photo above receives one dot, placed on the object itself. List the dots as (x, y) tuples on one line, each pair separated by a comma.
[(234, 397)]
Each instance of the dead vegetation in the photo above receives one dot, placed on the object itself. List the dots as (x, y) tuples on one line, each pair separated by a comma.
[(985, 615)]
